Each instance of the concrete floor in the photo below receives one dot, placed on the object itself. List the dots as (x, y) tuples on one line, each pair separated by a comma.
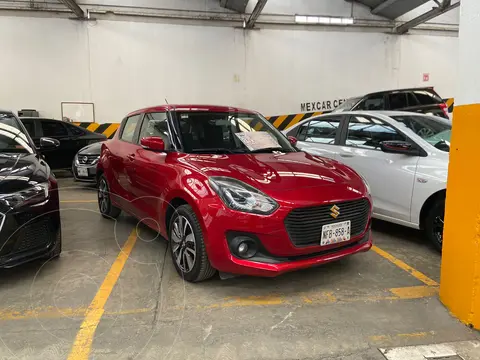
[(344, 310)]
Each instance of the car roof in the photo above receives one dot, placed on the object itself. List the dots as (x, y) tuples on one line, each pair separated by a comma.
[(191, 107), (430, 88), (37, 118), (384, 114)]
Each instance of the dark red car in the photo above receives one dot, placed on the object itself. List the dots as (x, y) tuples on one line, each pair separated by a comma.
[(231, 193)]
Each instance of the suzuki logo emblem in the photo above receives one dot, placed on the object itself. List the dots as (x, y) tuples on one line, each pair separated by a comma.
[(335, 211)]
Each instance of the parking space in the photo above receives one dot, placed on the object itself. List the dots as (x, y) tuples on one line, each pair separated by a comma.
[(114, 294)]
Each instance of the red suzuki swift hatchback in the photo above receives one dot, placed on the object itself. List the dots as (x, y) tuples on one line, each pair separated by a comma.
[(232, 193)]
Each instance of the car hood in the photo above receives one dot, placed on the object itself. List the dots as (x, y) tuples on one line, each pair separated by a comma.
[(92, 149), (20, 171), (283, 171)]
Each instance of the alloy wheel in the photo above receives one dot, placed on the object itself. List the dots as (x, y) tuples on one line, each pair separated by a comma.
[(103, 198), (438, 228), (183, 244)]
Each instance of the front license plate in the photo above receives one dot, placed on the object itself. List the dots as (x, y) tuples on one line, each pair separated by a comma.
[(335, 233), (82, 172)]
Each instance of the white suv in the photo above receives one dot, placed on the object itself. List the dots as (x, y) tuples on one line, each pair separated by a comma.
[(403, 156)]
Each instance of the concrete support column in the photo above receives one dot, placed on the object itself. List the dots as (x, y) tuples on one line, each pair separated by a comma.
[(460, 278)]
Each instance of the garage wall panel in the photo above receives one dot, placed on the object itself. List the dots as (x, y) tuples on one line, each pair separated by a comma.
[(43, 62), (311, 66), (138, 64), (121, 66), (424, 55)]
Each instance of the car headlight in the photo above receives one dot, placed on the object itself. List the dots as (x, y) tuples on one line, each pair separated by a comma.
[(34, 195), (242, 197), (367, 185)]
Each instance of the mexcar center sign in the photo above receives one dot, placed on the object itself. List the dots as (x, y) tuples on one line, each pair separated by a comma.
[(320, 105)]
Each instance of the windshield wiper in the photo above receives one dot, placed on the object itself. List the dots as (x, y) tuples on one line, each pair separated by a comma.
[(217, 150), (270, 150)]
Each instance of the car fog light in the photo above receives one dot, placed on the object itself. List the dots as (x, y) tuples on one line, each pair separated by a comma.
[(242, 249)]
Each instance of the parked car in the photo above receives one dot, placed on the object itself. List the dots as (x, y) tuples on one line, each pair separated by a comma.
[(84, 166), (72, 138), (402, 155), (230, 198), (29, 205), (421, 100)]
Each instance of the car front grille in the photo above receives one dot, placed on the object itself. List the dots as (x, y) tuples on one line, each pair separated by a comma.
[(304, 225), (86, 159), (35, 233)]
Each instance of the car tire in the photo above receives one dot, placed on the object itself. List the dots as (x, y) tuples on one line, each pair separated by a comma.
[(187, 246), (104, 200), (57, 250), (434, 223), (73, 171)]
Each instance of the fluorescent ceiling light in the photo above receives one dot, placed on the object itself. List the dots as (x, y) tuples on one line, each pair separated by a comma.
[(300, 19), (304, 19)]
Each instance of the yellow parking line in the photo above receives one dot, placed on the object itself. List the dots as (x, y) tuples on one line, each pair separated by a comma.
[(83, 342), (51, 312), (77, 201), (415, 273)]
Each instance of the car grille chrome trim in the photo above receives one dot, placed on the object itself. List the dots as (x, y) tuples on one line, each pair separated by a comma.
[(86, 159), (304, 225)]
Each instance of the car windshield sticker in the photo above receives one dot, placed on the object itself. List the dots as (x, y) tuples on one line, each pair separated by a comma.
[(256, 140)]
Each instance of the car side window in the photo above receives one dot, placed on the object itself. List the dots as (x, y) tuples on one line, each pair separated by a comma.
[(74, 130), (426, 98), (155, 124), (128, 131), (368, 132), (373, 102), (30, 126), (53, 128), (397, 100), (322, 131)]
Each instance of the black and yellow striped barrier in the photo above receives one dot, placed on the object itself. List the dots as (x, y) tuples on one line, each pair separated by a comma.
[(281, 122), (107, 129)]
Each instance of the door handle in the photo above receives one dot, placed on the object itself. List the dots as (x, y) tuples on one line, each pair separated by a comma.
[(131, 157), (347, 155)]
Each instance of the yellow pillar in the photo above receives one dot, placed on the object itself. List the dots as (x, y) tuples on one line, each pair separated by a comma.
[(460, 278)]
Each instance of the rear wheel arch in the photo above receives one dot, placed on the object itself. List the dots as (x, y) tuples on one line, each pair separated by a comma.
[(428, 204)]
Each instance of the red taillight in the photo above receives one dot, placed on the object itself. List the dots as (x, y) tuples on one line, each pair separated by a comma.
[(444, 107)]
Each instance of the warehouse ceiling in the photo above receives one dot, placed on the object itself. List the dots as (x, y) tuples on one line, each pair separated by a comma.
[(391, 9), (235, 5)]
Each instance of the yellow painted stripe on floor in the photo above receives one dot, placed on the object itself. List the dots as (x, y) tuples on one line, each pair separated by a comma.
[(415, 273), (77, 201), (279, 120), (93, 127), (414, 292), (111, 129), (83, 342), (51, 312)]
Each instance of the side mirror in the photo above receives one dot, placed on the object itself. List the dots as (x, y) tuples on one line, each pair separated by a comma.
[(47, 143), (398, 147), (154, 143), (293, 140)]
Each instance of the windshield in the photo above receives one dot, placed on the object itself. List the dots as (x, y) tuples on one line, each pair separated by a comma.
[(215, 132), (12, 138), (347, 105), (433, 129)]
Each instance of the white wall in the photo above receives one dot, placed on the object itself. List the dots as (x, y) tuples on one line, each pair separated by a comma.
[(122, 66)]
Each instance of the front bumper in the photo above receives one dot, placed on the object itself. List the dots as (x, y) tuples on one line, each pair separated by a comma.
[(91, 172), (277, 253), (29, 233)]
